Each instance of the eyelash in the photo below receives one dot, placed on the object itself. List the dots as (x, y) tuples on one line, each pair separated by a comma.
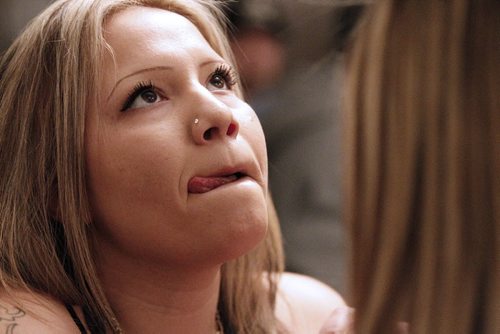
[(227, 73), (138, 90), (223, 70)]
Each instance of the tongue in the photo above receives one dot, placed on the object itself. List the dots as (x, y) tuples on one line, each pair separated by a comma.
[(199, 185)]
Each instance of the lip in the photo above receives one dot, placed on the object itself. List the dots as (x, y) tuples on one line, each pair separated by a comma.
[(230, 171), (206, 182)]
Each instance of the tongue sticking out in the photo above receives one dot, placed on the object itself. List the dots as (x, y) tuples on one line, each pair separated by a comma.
[(199, 185)]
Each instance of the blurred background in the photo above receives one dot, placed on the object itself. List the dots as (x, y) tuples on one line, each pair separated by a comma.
[(290, 55)]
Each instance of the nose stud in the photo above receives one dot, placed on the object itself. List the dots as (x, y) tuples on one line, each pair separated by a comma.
[(196, 121)]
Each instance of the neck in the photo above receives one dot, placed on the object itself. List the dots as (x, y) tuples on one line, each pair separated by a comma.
[(156, 299)]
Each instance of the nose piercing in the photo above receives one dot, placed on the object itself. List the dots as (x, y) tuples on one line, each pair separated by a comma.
[(196, 121)]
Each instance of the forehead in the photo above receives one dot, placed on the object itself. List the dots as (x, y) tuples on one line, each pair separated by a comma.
[(143, 33)]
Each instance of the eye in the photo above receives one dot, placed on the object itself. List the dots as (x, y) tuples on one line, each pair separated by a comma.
[(143, 95), (223, 78)]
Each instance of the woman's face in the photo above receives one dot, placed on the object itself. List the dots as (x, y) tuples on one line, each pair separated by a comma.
[(176, 162)]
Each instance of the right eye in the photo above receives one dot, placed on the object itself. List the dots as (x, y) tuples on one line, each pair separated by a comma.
[(143, 95)]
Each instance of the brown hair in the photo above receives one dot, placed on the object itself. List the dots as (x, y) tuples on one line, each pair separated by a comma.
[(423, 136), (48, 80)]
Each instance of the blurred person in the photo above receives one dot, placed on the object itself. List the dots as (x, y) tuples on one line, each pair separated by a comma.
[(134, 180), (258, 46), (423, 146)]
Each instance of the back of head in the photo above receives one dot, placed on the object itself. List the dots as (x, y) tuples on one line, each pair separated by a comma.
[(423, 140), (48, 80)]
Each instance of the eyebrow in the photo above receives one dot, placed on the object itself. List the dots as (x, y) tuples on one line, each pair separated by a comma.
[(144, 70), (157, 68)]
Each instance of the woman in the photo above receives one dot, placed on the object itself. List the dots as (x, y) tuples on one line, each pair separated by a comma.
[(423, 191), (131, 172)]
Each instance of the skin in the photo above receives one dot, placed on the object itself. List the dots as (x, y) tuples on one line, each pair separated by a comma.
[(22, 312), (304, 305)]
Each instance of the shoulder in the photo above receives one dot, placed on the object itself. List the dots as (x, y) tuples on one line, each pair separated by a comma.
[(23, 312), (304, 303)]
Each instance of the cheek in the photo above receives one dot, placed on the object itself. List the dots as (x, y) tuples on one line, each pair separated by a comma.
[(259, 145), (252, 130), (127, 173), (133, 187)]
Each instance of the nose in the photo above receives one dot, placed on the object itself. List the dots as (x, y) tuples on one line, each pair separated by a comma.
[(213, 121)]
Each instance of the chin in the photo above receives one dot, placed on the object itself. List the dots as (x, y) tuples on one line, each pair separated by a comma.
[(234, 220), (244, 236)]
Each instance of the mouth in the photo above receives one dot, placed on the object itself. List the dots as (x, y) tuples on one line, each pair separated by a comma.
[(203, 184)]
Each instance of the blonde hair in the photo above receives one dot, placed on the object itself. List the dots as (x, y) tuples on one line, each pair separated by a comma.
[(48, 80), (423, 136)]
